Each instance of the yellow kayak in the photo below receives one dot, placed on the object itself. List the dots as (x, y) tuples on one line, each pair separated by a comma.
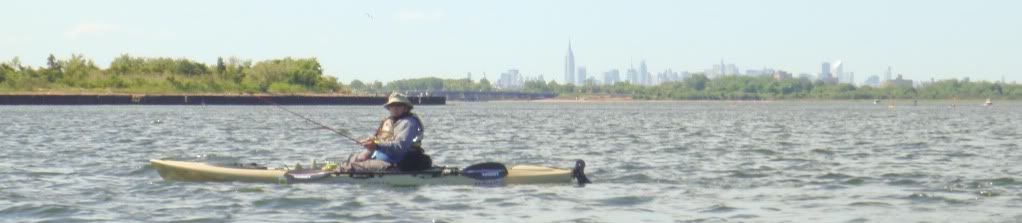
[(479, 174)]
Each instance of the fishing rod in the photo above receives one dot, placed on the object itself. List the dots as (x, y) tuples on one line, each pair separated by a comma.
[(342, 132)]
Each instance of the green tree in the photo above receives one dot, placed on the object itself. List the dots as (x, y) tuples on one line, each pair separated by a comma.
[(484, 85), (76, 69), (221, 67), (54, 69), (52, 63), (357, 85), (125, 64), (696, 81), (4, 71)]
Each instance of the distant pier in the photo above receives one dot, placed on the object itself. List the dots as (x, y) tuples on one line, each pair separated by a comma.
[(145, 99)]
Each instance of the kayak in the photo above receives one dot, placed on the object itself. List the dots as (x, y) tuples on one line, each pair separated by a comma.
[(480, 174)]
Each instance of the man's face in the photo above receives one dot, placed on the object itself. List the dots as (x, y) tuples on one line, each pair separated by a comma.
[(397, 109)]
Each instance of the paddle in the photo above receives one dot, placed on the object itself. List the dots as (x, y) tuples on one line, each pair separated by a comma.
[(495, 171), (485, 171)]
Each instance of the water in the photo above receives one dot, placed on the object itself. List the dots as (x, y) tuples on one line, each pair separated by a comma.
[(651, 162)]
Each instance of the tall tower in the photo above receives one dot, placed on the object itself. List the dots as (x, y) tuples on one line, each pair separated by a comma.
[(887, 74), (825, 74), (838, 72), (723, 68), (569, 66), (581, 76), (644, 76)]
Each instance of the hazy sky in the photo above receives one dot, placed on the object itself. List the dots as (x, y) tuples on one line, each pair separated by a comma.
[(388, 40)]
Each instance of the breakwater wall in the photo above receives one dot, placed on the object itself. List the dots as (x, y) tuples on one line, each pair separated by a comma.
[(65, 99)]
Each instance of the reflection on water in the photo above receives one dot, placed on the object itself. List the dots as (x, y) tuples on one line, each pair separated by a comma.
[(651, 162)]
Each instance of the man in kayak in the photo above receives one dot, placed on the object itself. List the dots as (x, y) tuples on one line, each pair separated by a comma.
[(399, 137)]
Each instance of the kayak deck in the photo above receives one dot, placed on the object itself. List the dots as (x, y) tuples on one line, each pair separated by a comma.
[(519, 174)]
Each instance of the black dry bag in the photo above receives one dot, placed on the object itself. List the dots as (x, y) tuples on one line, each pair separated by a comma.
[(415, 160)]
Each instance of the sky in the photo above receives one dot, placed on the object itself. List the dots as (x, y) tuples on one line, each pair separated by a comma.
[(390, 40)]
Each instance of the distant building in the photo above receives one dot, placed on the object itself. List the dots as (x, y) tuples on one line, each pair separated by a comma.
[(511, 80), (898, 82), (722, 69), (753, 72), (837, 72), (762, 72), (887, 74), (666, 76), (825, 72), (781, 75), (633, 76), (920, 84), (872, 81), (611, 77), (581, 76), (805, 76), (569, 66), (644, 77)]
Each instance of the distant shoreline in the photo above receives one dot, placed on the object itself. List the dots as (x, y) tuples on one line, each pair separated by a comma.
[(897, 102), (240, 98)]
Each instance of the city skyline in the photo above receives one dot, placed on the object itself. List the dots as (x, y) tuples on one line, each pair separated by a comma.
[(387, 41)]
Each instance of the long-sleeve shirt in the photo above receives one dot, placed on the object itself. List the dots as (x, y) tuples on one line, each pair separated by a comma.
[(404, 133)]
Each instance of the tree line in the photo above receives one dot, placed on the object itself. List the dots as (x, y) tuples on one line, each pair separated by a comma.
[(132, 74), (700, 87)]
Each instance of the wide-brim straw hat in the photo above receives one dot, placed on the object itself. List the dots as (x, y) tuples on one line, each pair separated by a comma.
[(398, 98)]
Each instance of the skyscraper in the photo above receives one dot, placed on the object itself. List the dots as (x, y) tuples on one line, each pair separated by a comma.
[(838, 72), (569, 66), (887, 74), (612, 76), (666, 76), (644, 76), (581, 76), (722, 69), (825, 72), (633, 76), (511, 79)]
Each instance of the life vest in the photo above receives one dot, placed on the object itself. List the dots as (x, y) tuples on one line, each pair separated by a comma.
[(386, 130), (415, 159)]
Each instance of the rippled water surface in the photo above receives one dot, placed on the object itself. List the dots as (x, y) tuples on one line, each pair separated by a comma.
[(650, 162)]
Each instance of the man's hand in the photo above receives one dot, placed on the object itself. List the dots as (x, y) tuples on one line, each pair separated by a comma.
[(369, 145)]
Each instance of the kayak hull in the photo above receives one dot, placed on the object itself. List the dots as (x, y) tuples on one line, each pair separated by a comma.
[(202, 172)]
